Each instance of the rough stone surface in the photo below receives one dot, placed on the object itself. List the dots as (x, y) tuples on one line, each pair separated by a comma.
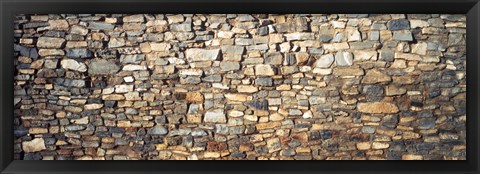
[(239, 87)]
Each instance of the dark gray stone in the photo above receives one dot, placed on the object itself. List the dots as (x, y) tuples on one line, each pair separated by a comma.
[(398, 24), (79, 53)]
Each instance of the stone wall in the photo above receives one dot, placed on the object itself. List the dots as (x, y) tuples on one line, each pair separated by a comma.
[(303, 87)]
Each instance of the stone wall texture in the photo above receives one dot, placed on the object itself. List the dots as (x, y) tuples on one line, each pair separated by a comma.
[(240, 86)]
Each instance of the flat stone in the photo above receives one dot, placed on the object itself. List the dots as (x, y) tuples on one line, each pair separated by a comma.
[(273, 58), (35, 145), (247, 89), (402, 35), (375, 76), (195, 54), (264, 81), (77, 29), (377, 108), (102, 67), (71, 64), (132, 58), (229, 66), (181, 27), (274, 145), (50, 42), (100, 26), (343, 58), (264, 70), (134, 67), (195, 97), (299, 36), (232, 52), (398, 24), (325, 61), (134, 18), (116, 42), (79, 53), (215, 116), (348, 71)]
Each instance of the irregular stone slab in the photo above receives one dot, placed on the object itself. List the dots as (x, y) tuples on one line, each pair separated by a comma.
[(100, 26), (102, 67), (264, 70), (378, 108), (398, 24), (79, 53), (132, 58), (402, 35), (26, 51), (348, 71), (134, 18), (232, 52), (71, 64), (195, 54), (229, 66), (299, 36), (36, 145), (375, 76), (215, 116), (50, 42)]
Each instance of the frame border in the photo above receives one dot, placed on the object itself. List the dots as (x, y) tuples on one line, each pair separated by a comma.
[(10, 7)]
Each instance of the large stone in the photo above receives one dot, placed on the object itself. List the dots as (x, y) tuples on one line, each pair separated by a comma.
[(274, 145), (402, 35), (102, 67), (232, 52), (324, 61), (195, 54), (100, 26), (116, 42), (71, 64), (181, 27), (273, 58), (377, 108), (215, 116), (79, 53), (264, 81), (247, 89), (375, 76), (50, 42), (132, 58), (343, 58), (58, 24), (398, 24), (229, 66), (36, 145), (264, 70), (134, 18)]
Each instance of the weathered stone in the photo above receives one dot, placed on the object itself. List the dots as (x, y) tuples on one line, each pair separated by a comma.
[(377, 108), (35, 145), (215, 116), (50, 42), (343, 58), (402, 35), (71, 64), (398, 24), (325, 61), (229, 66), (232, 52), (102, 67), (375, 76), (79, 53), (264, 70), (195, 54), (157, 130)]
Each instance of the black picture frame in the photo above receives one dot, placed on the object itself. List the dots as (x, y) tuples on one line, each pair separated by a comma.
[(10, 7)]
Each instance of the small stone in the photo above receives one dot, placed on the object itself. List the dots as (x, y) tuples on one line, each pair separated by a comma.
[(195, 54), (77, 29), (380, 145), (273, 58), (343, 58), (157, 130), (186, 27), (71, 64), (93, 106), (229, 66), (134, 18), (325, 61), (412, 157), (375, 76), (36, 145), (392, 90), (132, 58), (363, 146), (116, 42), (299, 36), (215, 116), (264, 70), (58, 24), (378, 108), (194, 97)]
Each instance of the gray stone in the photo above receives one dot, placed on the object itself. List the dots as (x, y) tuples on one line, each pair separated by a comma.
[(132, 58), (212, 78), (181, 27), (215, 116), (102, 67), (157, 130), (398, 24), (229, 66), (402, 35), (368, 129), (200, 132), (387, 55), (343, 58), (71, 64), (74, 127), (79, 53), (273, 58), (232, 52), (264, 81), (26, 51), (50, 42), (100, 26), (325, 61), (373, 92)]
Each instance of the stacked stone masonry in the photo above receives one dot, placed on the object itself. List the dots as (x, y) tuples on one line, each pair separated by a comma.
[(240, 86)]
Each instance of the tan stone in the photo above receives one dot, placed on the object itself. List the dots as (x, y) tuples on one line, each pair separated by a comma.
[(376, 76), (264, 70), (377, 108), (412, 157), (380, 145), (93, 106), (268, 125), (364, 146), (36, 145), (195, 97), (392, 90), (113, 97), (247, 89), (37, 130), (236, 97)]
